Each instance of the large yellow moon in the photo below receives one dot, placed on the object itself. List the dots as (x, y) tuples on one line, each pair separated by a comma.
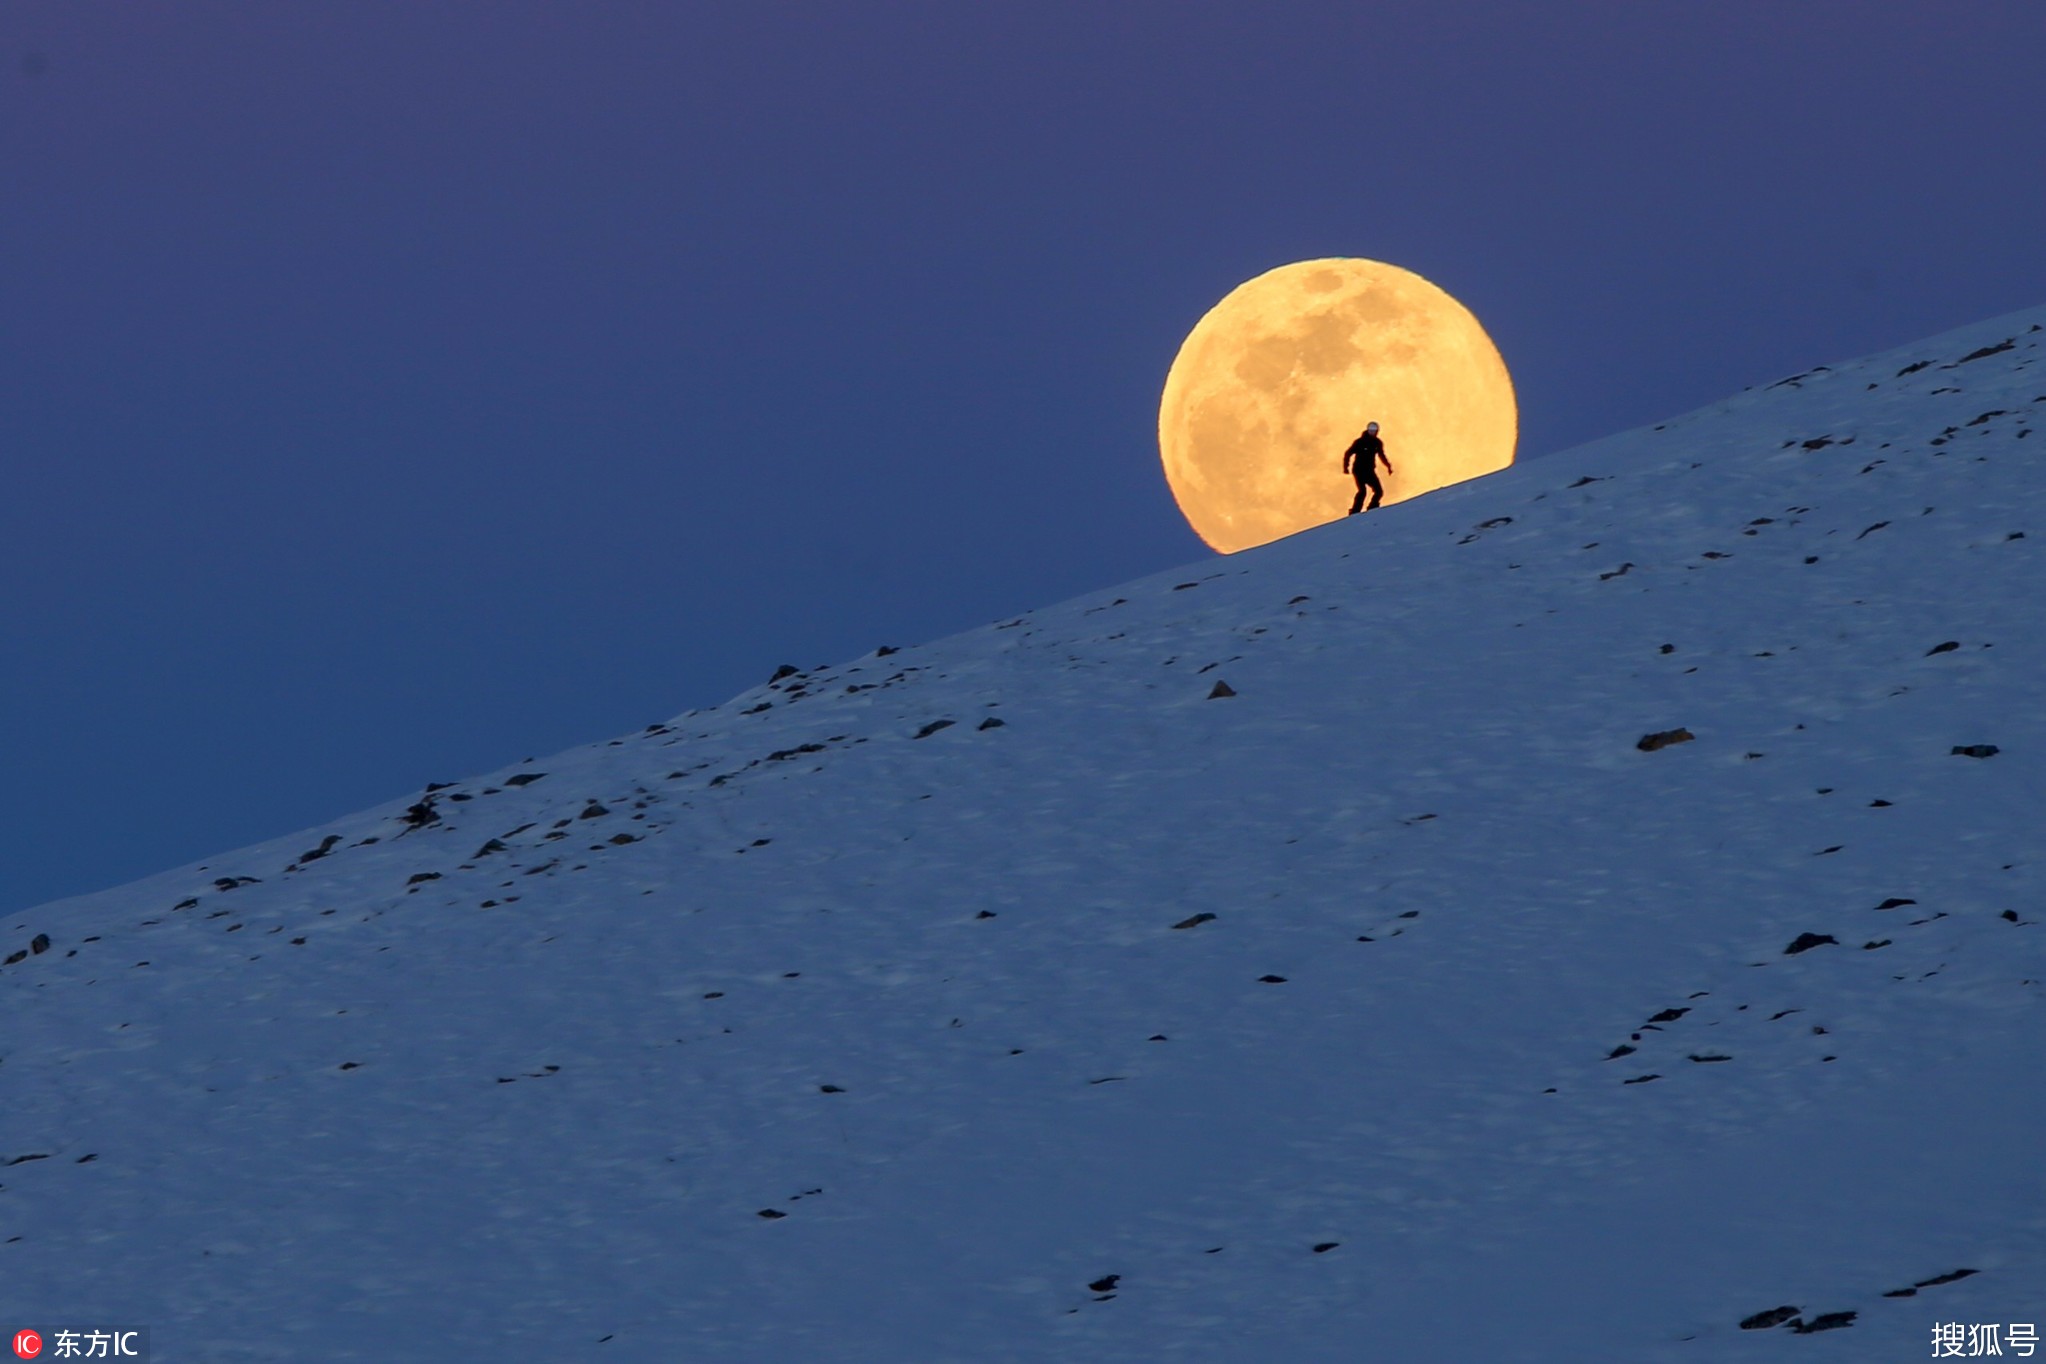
[(1273, 384)]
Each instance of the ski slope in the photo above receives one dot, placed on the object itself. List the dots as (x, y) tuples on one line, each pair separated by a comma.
[(1016, 998)]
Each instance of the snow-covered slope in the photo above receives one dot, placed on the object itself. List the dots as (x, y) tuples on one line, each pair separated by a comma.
[(1016, 997)]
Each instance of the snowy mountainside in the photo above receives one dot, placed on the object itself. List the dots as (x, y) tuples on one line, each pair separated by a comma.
[(1603, 906)]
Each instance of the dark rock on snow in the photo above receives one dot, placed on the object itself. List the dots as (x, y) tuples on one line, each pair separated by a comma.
[(1804, 942)]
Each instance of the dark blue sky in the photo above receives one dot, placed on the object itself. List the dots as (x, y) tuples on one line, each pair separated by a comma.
[(389, 391)]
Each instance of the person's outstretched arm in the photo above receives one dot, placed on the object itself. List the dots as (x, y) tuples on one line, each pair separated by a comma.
[(1346, 460), (1388, 460)]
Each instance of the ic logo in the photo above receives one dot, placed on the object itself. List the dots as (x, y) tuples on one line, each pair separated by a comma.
[(27, 1344)]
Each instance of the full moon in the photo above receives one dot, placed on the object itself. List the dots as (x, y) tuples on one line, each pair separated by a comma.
[(1270, 388)]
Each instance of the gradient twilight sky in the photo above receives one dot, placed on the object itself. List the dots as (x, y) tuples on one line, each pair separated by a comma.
[(394, 389)]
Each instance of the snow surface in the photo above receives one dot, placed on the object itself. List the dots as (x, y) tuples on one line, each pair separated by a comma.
[(929, 1001)]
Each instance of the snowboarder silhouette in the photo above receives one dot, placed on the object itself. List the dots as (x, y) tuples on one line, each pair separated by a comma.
[(1366, 450)]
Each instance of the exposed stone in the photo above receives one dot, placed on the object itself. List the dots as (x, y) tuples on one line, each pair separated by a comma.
[(1804, 942), (1829, 1321)]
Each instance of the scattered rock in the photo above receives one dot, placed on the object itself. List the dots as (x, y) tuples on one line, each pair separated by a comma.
[(326, 846), (1195, 921), (1709, 1056), (1221, 689), (1976, 750), (40, 943), (785, 670), (1987, 351), (417, 877), (829, 1089), (495, 845), (1762, 1321), (1948, 647), (1617, 1052), (1830, 1321), (1668, 1015), (1323, 1247), (593, 811), (1271, 980), (418, 816), (1873, 529), (1896, 902), (1107, 1282), (1804, 942), (1649, 743), (771, 1214), (992, 722), (933, 727), (524, 779), (1874, 943), (1948, 1277), (1641, 1079)]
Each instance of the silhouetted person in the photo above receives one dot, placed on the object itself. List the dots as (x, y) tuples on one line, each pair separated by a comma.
[(1366, 451)]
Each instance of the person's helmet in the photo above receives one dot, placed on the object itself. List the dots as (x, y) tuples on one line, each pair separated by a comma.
[(1372, 429)]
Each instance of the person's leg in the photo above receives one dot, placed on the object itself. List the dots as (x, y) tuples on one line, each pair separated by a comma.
[(1377, 492), (1357, 502)]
